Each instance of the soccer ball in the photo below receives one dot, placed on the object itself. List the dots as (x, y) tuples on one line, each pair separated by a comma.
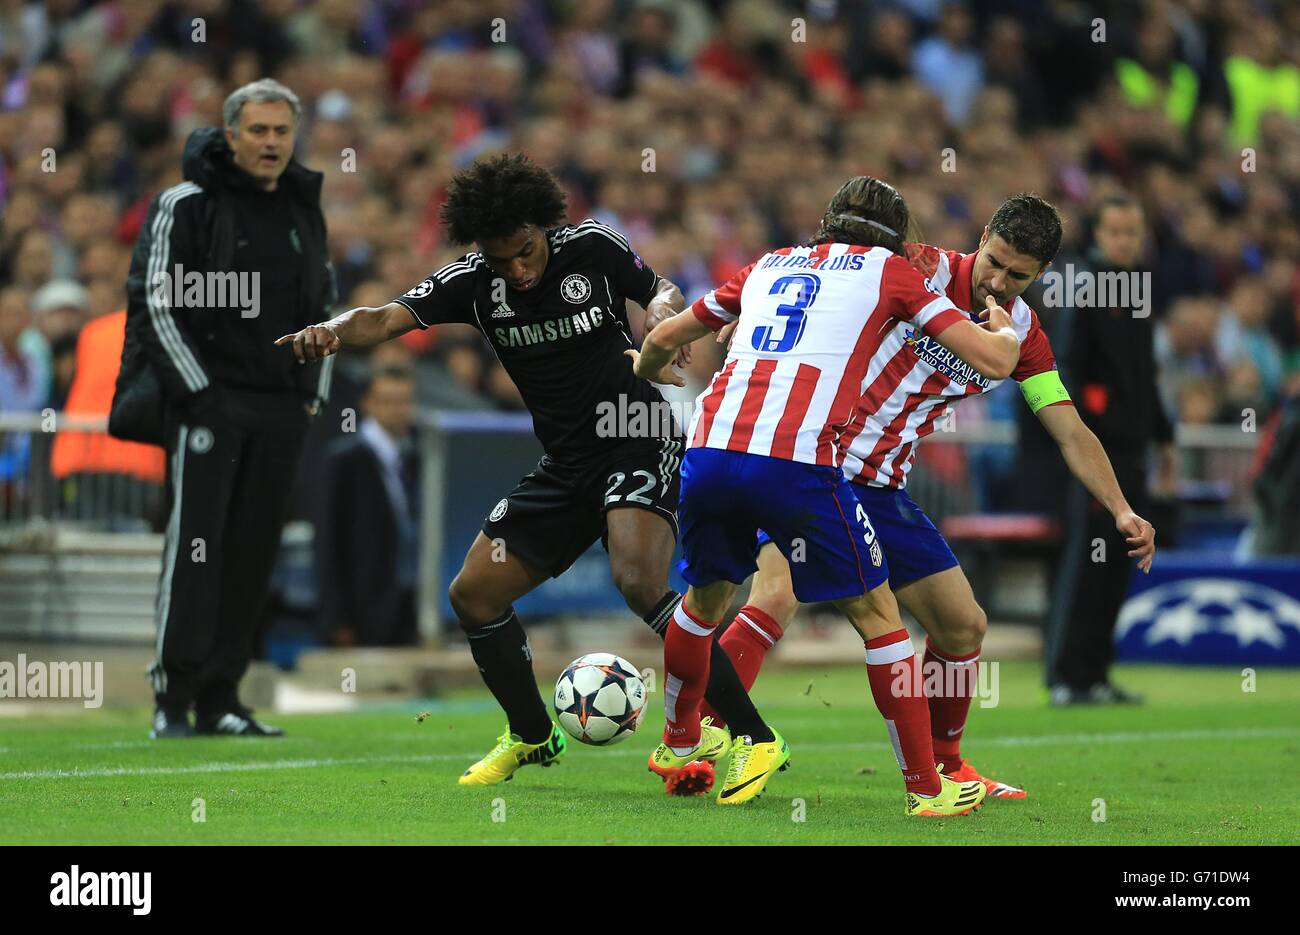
[(600, 699)]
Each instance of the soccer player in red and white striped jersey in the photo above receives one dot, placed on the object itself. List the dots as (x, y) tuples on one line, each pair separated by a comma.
[(912, 382), (766, 451)]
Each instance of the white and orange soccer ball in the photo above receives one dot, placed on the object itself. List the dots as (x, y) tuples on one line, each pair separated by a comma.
[(600, 699)]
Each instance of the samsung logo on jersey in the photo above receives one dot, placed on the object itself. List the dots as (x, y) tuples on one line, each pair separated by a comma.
[(944, 360), (849, 261), (557, 329)]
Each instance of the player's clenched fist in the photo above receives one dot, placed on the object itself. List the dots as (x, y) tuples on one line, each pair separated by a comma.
[(315, 342)]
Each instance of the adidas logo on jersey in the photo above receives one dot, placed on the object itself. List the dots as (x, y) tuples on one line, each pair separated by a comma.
[(503, 311)]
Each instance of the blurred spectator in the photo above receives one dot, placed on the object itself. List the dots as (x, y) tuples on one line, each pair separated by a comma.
[(1244, 339), (99, 474), (1276, 528), (24, 388), (367, 530), (949, 65), (25, 377), (888, 51), (1186, 353), (648, 46), (59, 309), (1259, 78), (1154, 79)]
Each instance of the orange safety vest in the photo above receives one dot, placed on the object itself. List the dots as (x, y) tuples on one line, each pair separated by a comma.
[(99, 355)]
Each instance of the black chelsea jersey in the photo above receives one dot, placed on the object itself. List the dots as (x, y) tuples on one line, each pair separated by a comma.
[(562, 341)]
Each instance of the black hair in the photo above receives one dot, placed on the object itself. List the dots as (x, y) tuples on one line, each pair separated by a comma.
[(1030, 225), (497, 196), (867, 212)]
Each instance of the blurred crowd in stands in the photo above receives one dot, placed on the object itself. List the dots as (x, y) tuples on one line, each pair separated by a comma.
[(706, 130)]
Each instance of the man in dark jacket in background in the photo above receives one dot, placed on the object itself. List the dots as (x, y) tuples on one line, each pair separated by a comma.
[(226, 262), (1110, 370), (367, 530)]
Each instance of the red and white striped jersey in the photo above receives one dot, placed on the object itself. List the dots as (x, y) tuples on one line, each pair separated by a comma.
[(810, 323), (912, 379)]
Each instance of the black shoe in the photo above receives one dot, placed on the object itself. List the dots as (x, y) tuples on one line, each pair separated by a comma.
[(236, 723), (169, 723), (1106, 693), (1063, 696)]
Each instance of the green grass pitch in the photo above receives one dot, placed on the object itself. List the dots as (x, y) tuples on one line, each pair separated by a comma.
[(1201, 762)]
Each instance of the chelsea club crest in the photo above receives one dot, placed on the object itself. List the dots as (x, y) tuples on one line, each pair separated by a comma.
[(575, 289)]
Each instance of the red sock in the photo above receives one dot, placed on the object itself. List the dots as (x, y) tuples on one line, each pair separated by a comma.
[(950, 706), (895, 676), (746, 642), (686, 664)]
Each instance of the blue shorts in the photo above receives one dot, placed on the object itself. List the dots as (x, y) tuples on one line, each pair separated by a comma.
[(811, 510), (914, 548)]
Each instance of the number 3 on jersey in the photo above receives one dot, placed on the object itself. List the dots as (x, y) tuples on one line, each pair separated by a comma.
[(793, 312), (870, 536)]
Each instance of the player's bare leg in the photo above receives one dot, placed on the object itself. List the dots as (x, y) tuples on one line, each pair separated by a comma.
[(490, 580), (640, 546)]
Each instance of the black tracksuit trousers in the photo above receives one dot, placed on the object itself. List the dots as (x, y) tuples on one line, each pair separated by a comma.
[(229, 474), (1089, 593)]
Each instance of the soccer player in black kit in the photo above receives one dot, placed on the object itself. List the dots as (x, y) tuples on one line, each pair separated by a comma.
[(550, 299)]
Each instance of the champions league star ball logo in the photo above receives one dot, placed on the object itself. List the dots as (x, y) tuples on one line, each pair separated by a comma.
[(421, 290), (1214, 620), (575, 289)]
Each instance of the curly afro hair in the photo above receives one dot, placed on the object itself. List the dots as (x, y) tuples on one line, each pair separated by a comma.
[(497, 196)]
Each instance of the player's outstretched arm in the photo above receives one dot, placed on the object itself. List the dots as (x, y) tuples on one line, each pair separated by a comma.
[(359, 327), (655, 360), (666, 302), (991, 348), (1088, 461)]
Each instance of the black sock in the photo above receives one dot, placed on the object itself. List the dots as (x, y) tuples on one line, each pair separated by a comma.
[(506, 663), (662, 615), (725, 692)]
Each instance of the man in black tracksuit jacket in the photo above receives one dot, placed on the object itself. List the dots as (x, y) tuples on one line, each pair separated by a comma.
[(234, 408), (1109, 366)]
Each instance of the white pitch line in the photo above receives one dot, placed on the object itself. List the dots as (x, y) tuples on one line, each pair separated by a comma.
[(1043, 740), (101, 771)]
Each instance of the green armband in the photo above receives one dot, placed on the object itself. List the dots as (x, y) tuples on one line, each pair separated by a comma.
[(1043, 389)]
